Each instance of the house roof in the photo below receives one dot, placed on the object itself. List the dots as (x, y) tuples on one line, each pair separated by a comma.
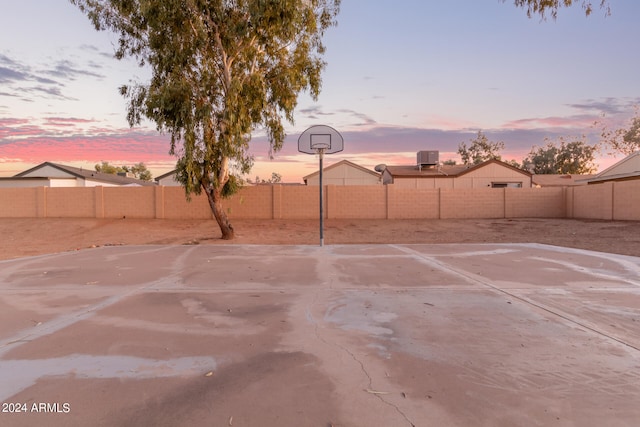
[(85, 174), (626, 169), (444, 171), (556, 180), (340, 163), (165, 175)]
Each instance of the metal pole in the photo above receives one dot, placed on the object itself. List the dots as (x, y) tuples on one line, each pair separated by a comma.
[(321, 152)]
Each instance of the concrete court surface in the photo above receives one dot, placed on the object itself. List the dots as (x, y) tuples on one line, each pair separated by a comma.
[(362, 335)]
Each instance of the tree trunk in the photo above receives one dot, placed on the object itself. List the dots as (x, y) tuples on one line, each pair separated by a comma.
[(215, 202)]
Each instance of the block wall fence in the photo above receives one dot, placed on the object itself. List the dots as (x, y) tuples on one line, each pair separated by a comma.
[(608, 201)]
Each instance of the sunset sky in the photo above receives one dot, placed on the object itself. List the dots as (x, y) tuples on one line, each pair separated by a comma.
[(402, 76)]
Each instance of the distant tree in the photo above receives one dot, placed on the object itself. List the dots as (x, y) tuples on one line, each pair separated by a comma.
[(480, 150), (450, 162), (275, 179), (105, 167), (542, 160), (624, 140), (544, 7), (566, 156), (514, 163), (220, 70), (139, 170)]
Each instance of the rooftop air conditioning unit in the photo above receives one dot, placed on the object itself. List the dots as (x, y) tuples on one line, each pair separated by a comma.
[(428, 158)]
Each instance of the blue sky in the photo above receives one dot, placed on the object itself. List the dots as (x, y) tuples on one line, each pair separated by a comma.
[(402, 76)]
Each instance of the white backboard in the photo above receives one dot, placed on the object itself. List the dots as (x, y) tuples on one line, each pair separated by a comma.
[(318, 138)]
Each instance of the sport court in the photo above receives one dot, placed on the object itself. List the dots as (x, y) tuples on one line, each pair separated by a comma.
[(340, 335)]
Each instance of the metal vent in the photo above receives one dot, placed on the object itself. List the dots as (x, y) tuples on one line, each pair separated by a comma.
[(428, 158)]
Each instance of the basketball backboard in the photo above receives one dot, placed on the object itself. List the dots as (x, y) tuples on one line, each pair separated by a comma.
[(320, 138)]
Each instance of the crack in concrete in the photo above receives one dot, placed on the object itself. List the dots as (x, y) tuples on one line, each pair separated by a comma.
[(355, 358)]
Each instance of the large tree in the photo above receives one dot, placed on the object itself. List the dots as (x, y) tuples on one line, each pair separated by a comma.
[(220, 70), (480, 150), (545, 7), (566, 156)]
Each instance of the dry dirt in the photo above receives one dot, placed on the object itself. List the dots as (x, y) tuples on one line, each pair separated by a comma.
[(34, 236)]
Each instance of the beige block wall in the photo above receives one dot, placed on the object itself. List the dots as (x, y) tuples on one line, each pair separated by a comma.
[(405, 203), (472, 203), (251, 203), (620, 201), (593, 201), (19, 202), (71, 202), (175, 205), (129, 202), (535, 202), (626, 200), (301, 202), (366, 202)]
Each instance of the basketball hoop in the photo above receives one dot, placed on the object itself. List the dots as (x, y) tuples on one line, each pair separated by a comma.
[(320, 140)]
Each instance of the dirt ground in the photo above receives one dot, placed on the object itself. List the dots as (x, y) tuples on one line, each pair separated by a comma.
[(35, 236)]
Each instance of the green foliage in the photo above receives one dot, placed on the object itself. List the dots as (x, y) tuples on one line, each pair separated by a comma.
[(480, 150), (232, 186), (514, 163), (105, 167), (542, 160), (542, 7), (139, 170), (275, 179), (220, 70), (571, 156)]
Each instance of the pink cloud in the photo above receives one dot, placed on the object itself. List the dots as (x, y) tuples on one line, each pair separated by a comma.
[(132, 147), (577, 121), (59, 140), (17, 128), (65, 121)]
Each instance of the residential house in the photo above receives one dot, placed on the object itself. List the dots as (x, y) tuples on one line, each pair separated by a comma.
[(55, 175), (491, 173), (344, 172), (557, 180), (168, 179), (626, 169)]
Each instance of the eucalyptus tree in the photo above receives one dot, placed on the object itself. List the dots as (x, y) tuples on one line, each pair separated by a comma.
[(545, 7), (221, 69)]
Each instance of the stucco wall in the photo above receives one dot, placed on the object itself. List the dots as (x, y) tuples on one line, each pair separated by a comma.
[(613, 200), (344, 174)]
